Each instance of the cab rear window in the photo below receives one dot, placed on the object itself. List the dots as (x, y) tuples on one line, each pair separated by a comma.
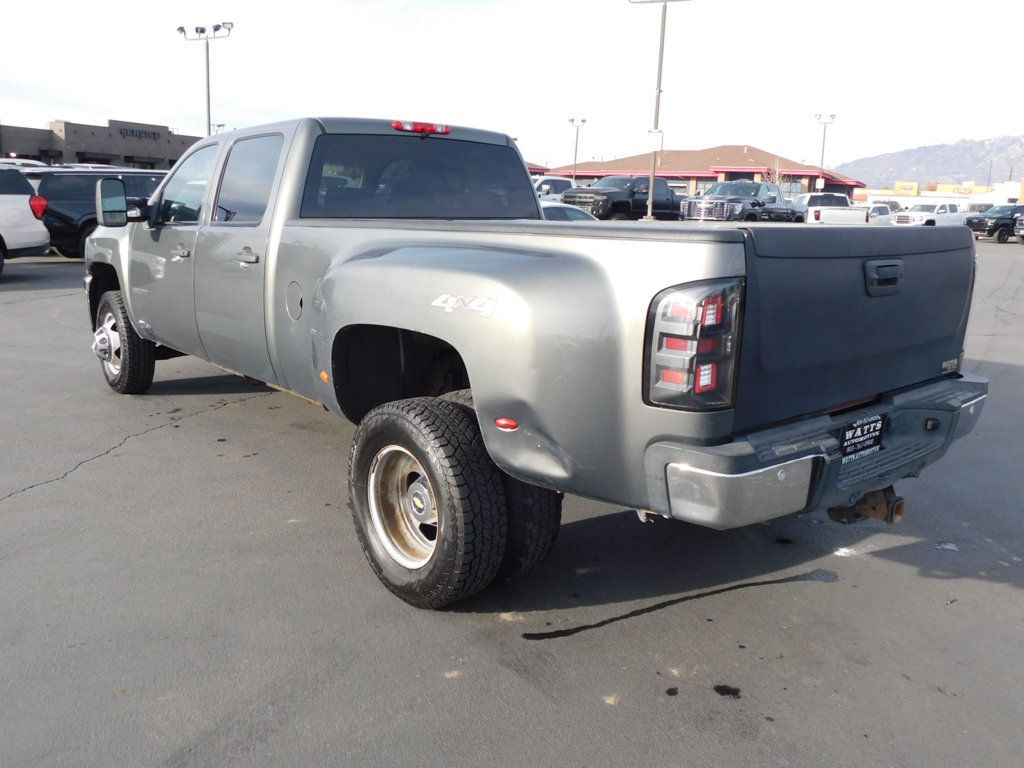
[(415, 177)]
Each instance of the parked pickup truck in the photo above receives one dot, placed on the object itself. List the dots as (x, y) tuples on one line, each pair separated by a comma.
[(401, 275), (997, 222), (618, 198), (739, 200), (829, 208), (930, 215)]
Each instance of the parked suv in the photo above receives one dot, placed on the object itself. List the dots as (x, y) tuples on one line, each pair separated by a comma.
[(21, 231), (997, 222), (70, 195), (739, 200), (624, 197)]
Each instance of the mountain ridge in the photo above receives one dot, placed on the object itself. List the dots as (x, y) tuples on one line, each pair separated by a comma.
[(962, 161)]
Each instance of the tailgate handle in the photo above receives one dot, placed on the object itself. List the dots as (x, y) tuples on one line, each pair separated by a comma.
[(883, 277)]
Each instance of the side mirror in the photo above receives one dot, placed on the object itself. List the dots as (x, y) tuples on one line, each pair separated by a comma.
[(545, 189), (111, 203), (138, 209)]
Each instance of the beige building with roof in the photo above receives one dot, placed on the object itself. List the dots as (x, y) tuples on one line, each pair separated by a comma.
[(693, 171)]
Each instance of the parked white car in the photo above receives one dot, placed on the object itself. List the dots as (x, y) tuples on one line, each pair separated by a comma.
[(930, 215), (22, 232), (552, 187), (561, 212), (829, 208)]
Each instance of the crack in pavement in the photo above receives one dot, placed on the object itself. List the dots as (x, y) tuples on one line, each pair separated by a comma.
[(818, 574), (107, 452), (40, 298)]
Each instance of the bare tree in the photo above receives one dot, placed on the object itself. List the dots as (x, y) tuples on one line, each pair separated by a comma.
[(774, 175)]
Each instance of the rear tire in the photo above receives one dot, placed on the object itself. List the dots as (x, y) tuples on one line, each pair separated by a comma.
[(534, 514), (427, 501), (131, 359), (1001, 235)]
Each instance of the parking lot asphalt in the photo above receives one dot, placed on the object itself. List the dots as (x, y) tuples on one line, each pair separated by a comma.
[(181, 585)]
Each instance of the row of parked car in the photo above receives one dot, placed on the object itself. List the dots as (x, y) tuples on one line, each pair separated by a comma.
[(625, 198), (44, 207)]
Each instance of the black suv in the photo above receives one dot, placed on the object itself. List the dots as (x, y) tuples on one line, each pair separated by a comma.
[(997, 222), (70, 195), (624, 197), (739, 200)]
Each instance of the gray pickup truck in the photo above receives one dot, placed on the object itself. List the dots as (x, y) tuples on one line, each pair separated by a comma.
[(401, 274)]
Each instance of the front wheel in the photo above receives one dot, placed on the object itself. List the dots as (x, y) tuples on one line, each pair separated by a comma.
[(618, 217), (127, 360), (1001, 235), (427, 501)]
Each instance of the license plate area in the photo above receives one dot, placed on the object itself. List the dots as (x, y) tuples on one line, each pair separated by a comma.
[(861, 438)]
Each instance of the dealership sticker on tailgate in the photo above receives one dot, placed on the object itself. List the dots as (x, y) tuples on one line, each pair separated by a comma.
[(861, 438)]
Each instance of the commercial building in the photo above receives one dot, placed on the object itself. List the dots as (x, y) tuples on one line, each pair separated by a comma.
[(136, 145), (693, 171)]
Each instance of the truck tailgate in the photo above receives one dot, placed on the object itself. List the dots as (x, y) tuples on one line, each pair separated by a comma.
[(835, 315)]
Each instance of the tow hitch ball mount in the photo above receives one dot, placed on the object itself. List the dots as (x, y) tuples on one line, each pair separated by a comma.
[(880, 505)]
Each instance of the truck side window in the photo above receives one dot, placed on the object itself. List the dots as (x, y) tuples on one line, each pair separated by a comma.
[(182, 199), (247, 180)]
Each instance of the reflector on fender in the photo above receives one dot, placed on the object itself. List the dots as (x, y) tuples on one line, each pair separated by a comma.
[(414, 127)]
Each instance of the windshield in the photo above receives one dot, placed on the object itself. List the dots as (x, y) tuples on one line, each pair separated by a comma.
[(922, 209), (617, 182), (734, 189), (999, 210)]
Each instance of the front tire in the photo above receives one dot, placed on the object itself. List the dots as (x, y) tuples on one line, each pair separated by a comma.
[(618, 217), (427, 501), (1001, 235), (127, 360)]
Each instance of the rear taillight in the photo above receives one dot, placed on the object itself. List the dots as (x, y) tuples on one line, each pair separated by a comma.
[(817, 214), (693, 338), (414, 127), (38, 205)]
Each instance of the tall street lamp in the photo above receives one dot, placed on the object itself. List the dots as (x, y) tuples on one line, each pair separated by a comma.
[(575, 149), (826, 121), (657, 101), (206, 34)]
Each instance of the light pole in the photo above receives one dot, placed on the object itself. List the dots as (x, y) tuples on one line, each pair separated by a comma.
[(206, 35), (657, 101), (825, 121), (576, 146)]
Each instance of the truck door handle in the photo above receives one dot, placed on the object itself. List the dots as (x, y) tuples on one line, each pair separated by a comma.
[(883, 277), (246, 256), (181, 252)]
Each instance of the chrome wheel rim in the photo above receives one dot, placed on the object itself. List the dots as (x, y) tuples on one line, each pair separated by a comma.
[(109, 337), (403, 507)]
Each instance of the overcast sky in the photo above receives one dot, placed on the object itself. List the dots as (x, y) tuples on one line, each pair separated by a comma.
[(898, 73)]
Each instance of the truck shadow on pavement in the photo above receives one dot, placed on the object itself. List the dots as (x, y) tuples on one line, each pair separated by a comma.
[(610, 559), (226, 384)]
